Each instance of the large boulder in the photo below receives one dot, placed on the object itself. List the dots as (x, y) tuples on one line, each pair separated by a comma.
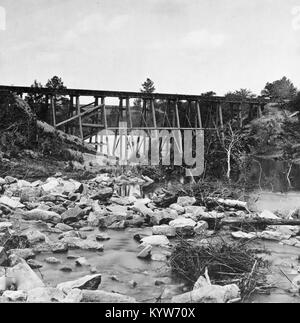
[(73, 215), (13, 203), (157, 240), (165, 230), (25, 278), (90, 282), (42, 215)]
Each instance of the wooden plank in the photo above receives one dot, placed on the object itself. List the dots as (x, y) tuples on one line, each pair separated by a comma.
[(82, 114), (221, 123), (104, 112), (153, 113), (129, 112), (199, 114)]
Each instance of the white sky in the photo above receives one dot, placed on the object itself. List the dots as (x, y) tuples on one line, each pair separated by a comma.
[(184, 46)]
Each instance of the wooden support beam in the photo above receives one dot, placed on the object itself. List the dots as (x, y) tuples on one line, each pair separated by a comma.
[(79, 116), (104, 112), (177, 114), (129, 112), (199, 114), (221, 123), (153, 113)]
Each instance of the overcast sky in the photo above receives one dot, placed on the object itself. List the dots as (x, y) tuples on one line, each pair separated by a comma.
[(184, 46)]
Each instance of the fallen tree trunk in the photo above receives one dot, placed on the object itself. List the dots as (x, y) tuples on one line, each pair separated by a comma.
[(229, 203)]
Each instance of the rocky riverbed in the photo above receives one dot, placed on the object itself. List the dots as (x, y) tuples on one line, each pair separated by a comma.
[(69, 241)]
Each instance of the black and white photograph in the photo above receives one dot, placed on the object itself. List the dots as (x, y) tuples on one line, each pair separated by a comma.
[(149, 154)]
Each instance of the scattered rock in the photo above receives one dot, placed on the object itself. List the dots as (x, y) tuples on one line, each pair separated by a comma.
[(53, 261), (11, 203), (22, 253), (99, 296), (146, 252), (45, 295), (82, 262), (201, 227), (34, 264), (268, 215), (15, 296), (165, 230), (90, 282), (158, 240), (72, 215), (186, 201), (102, 237), (42, 215)]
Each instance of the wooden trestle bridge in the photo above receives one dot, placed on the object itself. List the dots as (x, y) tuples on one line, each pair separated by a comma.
[(111, 110)]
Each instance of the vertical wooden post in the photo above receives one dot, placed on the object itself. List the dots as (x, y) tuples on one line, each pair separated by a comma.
[(53, 111), (129, 112), (221, 122), (79, 116), (153, 113), (104, 111), (177, 114), (199, 114), (240, 115)]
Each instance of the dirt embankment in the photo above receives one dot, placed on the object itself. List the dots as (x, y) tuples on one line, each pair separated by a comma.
[(32, 148)]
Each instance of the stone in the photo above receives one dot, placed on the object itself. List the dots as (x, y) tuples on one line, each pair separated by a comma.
[(178, 208), (94, 219), (51, 185), (11, 203), (196, 211), (34, 264), (120, 225), (42, 215), (200, 283), (165, 230), (103, 194), (209, 294), (140, 207), (53, 261), (4, 226), (272, 235), (77, 243), (125, 201), (74, 296), (25, 278), (34, 236), (22, 253), (99, 296), (45, 295), (285, 229), (30, 194), (59, 247), (10, 180), (162, 217), (90, 282), (243, 235), (146, 252), (201, 227), (63, 227), (66, 269), (183, 226), (72, 215), (15, 296), (110, 219), (186, 201), (82, 262), (157, 240), (268, 215), (102, 237)]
